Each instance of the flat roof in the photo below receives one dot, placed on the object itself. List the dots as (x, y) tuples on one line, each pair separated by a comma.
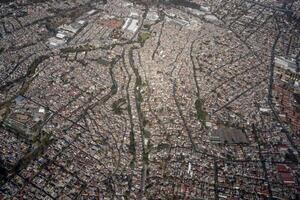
[(286, 63), (230, 135), (133, 25)]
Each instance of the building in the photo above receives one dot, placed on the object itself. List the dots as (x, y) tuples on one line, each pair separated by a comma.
[(287, 91)]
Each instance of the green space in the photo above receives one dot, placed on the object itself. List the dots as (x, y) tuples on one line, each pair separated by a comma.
[(143, 36), (117, 106), (2, 50), (201, 113), (102, 61)]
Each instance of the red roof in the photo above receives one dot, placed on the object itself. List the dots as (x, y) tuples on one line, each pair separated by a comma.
[(284, 147), (282, 168), (287, 178)]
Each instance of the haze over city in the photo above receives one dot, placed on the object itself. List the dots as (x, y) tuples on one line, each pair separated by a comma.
[(149, 100)]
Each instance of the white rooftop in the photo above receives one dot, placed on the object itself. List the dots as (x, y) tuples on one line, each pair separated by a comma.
[(81, 22), (60, 35), (211, 18), (91, 12), (197, 12), (152, 16), (126, 24), (205, 8), (41, 109), (286, 63), (134, 14), (134, 25), (55, 42), (69, 28)]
